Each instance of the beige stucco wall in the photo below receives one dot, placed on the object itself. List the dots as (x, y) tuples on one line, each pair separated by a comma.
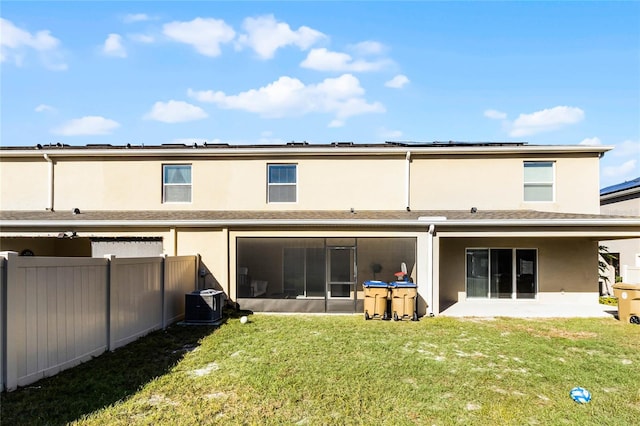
[(211, 245), (566, 265), (630, 207), (24, 184), (496, 183), (324, 183)]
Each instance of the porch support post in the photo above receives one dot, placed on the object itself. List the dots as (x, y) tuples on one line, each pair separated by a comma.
[(423, 256)]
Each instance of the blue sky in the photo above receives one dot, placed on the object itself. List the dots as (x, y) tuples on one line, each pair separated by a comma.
[(271, 72)]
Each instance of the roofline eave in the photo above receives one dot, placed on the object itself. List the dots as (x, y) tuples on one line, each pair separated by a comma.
[(618, 222)]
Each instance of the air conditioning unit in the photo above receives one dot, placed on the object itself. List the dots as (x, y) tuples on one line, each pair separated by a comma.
[(203, 306)]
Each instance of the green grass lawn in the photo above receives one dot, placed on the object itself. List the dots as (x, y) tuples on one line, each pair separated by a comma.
[(296, 369)]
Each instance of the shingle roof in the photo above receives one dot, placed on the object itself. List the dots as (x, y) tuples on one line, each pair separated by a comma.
[(293, 215)]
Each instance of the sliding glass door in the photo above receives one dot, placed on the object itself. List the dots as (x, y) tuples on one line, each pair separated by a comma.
[(501, 273)]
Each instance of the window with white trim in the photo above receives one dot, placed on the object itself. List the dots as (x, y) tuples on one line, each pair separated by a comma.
[(539, 181), (282, 183), (176, 183)]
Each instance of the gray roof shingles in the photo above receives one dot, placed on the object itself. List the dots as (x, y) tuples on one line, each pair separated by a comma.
[(292, 215)]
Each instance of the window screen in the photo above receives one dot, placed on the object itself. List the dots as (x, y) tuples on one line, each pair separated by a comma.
[(538, 181), (176, 183), (282, 180)]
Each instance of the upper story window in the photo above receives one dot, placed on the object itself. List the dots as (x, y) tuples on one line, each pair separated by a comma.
[(282, 183), (538, 181), (176, 183)]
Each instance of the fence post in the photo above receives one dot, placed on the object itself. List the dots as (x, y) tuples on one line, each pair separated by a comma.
[(110, 294), (163, 278), (8, 353)]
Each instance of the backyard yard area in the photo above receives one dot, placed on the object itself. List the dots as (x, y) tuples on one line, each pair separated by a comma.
[(313, 369)]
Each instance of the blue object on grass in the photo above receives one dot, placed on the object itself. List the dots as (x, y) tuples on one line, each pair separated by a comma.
[(580, 395)]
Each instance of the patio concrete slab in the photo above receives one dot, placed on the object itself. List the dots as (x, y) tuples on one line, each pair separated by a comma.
[(529, 309)]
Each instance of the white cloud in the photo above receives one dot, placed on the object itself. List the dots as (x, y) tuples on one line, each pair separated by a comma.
[(265, 35), (204, 34), (90, 125), (591, 141), (326, 60), (545, 120), (113, 46), (286, 97), (15, 43), (389, 134), (368, 48), (44, 108), (627, 148), (620, 172), (175, 112), (495, 115), (141, 38), (135, 17), (397, 82)]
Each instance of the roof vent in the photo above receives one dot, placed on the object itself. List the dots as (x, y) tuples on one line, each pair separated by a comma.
[(75, 211), (474, 210)]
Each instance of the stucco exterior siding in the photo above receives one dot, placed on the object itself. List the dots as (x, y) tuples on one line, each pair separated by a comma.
[(323, 183), (565, 265), (494, 182), (24, 184)]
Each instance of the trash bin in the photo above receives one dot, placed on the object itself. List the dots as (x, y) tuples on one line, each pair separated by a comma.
[(376, 294), (403, 300), (628, 302)]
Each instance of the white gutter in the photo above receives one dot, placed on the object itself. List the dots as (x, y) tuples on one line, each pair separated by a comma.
[(432, 229), (407, 176), (50, 200)]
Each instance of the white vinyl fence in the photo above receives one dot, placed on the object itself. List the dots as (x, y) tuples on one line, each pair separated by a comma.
[(630, 274), (58, 312)]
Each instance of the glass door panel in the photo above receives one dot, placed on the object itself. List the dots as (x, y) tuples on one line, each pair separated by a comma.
[(294, 271), (526, 279), (477, 273), (501, 273), (316, 272)]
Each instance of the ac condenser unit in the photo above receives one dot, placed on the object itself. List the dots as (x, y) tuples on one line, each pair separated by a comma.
[(203, 306)]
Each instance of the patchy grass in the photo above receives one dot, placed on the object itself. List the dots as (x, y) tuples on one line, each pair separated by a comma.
[(296, 369)]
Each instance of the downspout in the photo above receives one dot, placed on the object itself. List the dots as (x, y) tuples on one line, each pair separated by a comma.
[(432, 230), (50, 200), (407, 176)]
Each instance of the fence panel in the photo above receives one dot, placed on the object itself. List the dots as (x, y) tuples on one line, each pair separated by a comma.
[(179, 279), (136, 299), (630, 274), (56, 315), (3, 309)]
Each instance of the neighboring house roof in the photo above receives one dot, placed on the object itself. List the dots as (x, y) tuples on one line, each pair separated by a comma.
[(46, 219), (621, 189)]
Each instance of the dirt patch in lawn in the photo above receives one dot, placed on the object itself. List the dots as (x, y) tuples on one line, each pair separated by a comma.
[(556, 333)]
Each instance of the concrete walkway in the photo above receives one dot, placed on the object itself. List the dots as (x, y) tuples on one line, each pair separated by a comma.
[(529, 309)]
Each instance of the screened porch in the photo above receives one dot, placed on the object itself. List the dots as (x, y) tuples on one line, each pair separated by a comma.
[(316, 274)]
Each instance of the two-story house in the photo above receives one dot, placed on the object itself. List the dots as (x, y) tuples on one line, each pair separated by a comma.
[(623, 199), (299, 227)]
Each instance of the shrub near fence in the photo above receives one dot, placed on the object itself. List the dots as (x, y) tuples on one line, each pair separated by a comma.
[(59, 312)]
